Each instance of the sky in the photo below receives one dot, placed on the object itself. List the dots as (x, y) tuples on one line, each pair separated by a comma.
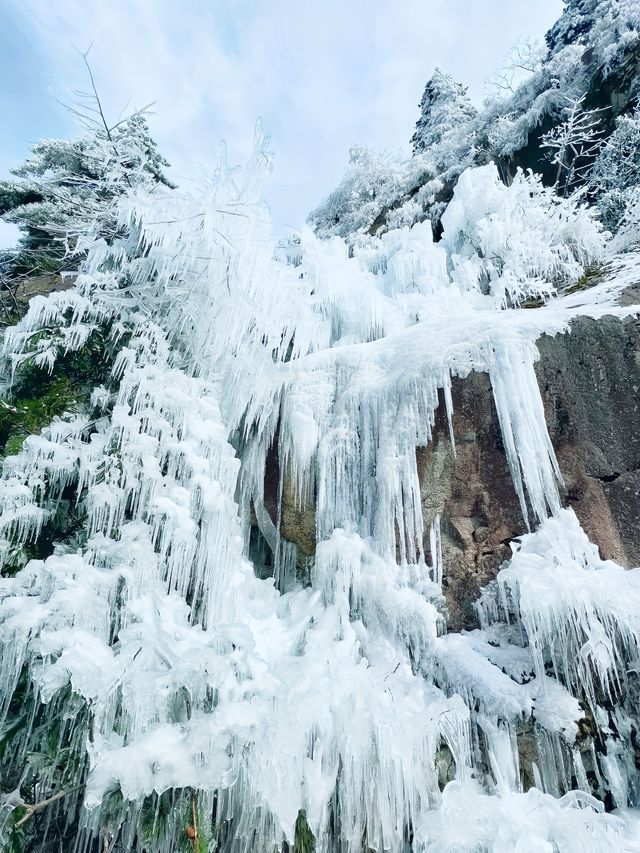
[(323, 74)]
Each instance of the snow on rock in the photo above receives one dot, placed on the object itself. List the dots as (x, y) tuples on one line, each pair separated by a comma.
[(342, 697)]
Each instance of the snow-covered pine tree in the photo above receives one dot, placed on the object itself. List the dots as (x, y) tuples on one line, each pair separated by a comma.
[(446, 136), (446, 118), (379, 191), (65, 200), (373, 185), (66, 188), (609, 29), (574, 25)]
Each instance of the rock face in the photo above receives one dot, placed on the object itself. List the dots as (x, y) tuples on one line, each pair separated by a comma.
[(472, 493), (15, 297), (590, 384), (297, 521), (590, 381)]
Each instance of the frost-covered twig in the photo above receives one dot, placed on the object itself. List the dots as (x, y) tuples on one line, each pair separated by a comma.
[(34, 808)]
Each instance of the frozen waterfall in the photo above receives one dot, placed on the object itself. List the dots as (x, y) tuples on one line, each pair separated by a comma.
[(178, 677)]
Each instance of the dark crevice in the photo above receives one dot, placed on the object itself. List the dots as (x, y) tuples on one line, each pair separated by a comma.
[(608, 478)]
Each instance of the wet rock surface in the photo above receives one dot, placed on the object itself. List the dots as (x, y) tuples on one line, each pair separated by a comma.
[(589, 379), (590, 383), (472, 493)]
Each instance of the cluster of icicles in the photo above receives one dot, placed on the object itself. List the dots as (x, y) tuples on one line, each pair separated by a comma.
[(344, 696)]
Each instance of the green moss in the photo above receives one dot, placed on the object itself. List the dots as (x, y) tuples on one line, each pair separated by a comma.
[(39, 396), (304, 839), (28, 415), (592, 276)]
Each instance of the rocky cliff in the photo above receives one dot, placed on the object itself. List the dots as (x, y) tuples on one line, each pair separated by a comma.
[(589, 378)]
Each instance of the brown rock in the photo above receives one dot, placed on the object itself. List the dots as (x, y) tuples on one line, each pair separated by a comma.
[(590, 384), (473, 494)]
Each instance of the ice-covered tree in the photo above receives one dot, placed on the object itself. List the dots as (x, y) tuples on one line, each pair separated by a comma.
[(524, 58), (574, 25), (609, 29), (573, 145), (446, 117), (380, 191), (518, 241), (66, 188), (65, 199), (508, 123), (615, 179), (593, 49), (628, 227), (446, 136), (373, 183)]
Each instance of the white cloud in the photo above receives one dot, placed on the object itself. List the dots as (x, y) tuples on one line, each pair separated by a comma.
[(324, 75)]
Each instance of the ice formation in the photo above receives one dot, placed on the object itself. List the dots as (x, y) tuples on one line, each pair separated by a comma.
[(180, 669)]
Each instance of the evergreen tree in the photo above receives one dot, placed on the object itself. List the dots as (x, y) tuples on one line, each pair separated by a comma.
[(66, 188), (608, 29), (374, 184), (446, 116), (574, 25), (446, 136)]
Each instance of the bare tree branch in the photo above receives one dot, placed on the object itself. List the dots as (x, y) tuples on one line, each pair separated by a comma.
[(38, 807)]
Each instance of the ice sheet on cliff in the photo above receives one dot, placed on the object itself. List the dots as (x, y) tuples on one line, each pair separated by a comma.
[(343, 698)]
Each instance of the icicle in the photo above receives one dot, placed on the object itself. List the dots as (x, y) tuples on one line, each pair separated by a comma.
[(446, 386), (343, 698), (435, 547), (530, 455)]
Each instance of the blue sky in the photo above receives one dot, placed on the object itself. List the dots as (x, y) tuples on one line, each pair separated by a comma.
[(323, 74)]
